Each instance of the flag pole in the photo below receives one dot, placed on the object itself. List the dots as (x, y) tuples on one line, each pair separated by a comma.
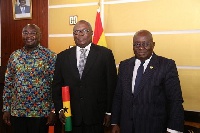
[(102, 11)]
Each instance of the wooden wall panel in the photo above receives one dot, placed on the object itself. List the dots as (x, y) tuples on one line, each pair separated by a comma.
[(11, 29), (6, 11)]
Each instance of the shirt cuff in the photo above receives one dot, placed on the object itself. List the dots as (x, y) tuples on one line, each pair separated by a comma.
[(173, 131), (108, 113), (60, 110)]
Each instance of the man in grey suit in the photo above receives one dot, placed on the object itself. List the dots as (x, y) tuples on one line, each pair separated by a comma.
[(91, 87), (155, 104), (22, 7)]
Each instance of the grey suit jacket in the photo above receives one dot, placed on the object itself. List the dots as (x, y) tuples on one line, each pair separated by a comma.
[(18, 10), (158, 103)]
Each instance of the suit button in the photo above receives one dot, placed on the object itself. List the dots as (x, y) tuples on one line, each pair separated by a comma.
[(81, 98)]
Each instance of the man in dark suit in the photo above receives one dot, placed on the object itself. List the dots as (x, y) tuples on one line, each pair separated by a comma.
[(22, 7), (155, 104), (91, 90)]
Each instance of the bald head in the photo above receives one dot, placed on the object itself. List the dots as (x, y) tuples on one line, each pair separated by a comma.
[(143, 33), (83, 22), (32, 26)]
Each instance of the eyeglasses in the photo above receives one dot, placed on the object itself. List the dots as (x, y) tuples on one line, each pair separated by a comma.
[(143, 44), (83, 32), (26, 33)]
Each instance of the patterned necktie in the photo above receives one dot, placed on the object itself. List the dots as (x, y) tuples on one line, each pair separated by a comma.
[(82, 61), (139, 76)]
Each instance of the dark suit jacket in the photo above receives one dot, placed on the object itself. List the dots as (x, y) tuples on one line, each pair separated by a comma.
[(18, 10), (158, 103), (91, 96)]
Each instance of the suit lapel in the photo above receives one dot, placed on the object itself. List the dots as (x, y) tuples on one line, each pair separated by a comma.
[(90, 59), (152, 66), (73, 61)]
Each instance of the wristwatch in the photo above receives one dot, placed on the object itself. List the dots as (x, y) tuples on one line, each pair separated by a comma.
[(53, 111), (60, 110)]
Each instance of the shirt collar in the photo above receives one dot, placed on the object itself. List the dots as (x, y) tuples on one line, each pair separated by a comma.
[(87, 47), (36, 48), (146, 61)]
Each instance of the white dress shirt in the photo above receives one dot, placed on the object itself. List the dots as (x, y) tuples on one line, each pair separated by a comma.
[(78, 52), (137, 64), (22, 9)]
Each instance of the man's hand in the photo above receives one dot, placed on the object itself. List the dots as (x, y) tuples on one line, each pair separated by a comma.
[(51, 119), (6, 117), (115, 129), (106, 121), (62, 117)]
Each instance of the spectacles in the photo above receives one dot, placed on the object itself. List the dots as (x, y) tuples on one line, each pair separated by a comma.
[(143, 44), (26, 33), (78, 32)]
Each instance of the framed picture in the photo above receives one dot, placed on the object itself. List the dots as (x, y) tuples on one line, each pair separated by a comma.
[(22, 9)]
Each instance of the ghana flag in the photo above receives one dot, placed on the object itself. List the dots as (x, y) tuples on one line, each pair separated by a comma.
[(99, 37), (67, 108)]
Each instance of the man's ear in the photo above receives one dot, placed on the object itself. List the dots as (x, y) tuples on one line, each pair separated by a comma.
[(154, 43)]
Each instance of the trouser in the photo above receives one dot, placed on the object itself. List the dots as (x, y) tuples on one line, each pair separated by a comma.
[(29, 124), (97, 128)]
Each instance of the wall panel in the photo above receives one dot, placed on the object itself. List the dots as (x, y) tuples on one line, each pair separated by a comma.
[(62, 2), (60, 44), (154, 15), (190, 88), (59, 18)]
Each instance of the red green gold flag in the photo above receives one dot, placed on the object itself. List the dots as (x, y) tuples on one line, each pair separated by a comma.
[(67, 108), (99, 37)]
